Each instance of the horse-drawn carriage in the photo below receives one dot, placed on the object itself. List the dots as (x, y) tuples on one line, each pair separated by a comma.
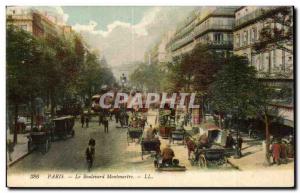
[(70, 107), (39, 140), (173, 167), (152, 145), (213, 153), (63, 127), (166, 123), (177, 135), (214, 156), (134, 133)]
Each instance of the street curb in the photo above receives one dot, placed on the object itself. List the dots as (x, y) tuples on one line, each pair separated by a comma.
[(233, 165), (19, 159)]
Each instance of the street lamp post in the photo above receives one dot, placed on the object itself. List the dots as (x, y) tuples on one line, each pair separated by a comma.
[(123, 80)]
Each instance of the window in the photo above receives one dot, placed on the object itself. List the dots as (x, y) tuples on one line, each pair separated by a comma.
[(237, 40), (245, 38), (23, 27), (261, 63), (254, 34), (283, 61), (218, 37), (274, 58)]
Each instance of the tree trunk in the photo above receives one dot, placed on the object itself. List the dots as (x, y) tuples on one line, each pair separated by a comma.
[(220, 121), (16, 124), (52, 100), (267, 156), (202, 110), (31, 113)]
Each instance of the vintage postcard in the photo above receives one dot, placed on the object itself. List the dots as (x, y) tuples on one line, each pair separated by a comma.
[(150, 96)]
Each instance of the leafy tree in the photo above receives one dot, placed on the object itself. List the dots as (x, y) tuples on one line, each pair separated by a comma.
[(277, 31), (267, 110), (23, 71), (146, 76), (235, 88)]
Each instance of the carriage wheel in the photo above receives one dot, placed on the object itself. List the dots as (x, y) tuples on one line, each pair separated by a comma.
[(202, 161)]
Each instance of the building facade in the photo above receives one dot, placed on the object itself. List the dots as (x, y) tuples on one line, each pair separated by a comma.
[(35, 22), (274, 65), (212, 26)]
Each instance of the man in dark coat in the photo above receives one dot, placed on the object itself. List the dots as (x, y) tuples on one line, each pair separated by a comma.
[(239, 145), (229, 141), (90, 153), (82, 118), (87, 120), (105, 123)]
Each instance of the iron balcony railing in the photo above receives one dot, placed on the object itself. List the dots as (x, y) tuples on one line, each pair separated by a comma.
[(202, 28), (254, 15)]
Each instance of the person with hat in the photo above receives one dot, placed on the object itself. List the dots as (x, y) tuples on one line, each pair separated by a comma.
[(167, 155)]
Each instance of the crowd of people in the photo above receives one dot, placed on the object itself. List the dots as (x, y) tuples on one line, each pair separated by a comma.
[(281, 150)]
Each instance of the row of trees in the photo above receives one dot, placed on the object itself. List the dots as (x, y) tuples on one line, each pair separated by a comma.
[(53, 68), (228, 84)]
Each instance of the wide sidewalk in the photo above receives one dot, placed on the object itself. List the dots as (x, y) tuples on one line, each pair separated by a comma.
[(254, 158), (253, 155), (20, 149)]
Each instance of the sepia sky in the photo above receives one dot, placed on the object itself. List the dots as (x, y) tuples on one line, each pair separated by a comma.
[(121, 34)]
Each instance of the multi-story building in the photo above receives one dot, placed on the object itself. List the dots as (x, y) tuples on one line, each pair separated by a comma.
[(35, 22), (212, 26), (274, 65), (158, 54), (249, 23)]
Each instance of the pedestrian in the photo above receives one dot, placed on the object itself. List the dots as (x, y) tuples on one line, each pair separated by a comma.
[(239, 145), (100, 118), (82, 118), (191, 146), (10, 149), (229, 141), (117, 116), (276, 152), (283, 152), (87, 120), (105, 123), (250, 130), (290, 147), (90, 153), (111, 114), (126, 118)]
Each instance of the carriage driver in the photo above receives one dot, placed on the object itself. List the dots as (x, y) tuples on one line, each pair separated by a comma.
[(167, 155)]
